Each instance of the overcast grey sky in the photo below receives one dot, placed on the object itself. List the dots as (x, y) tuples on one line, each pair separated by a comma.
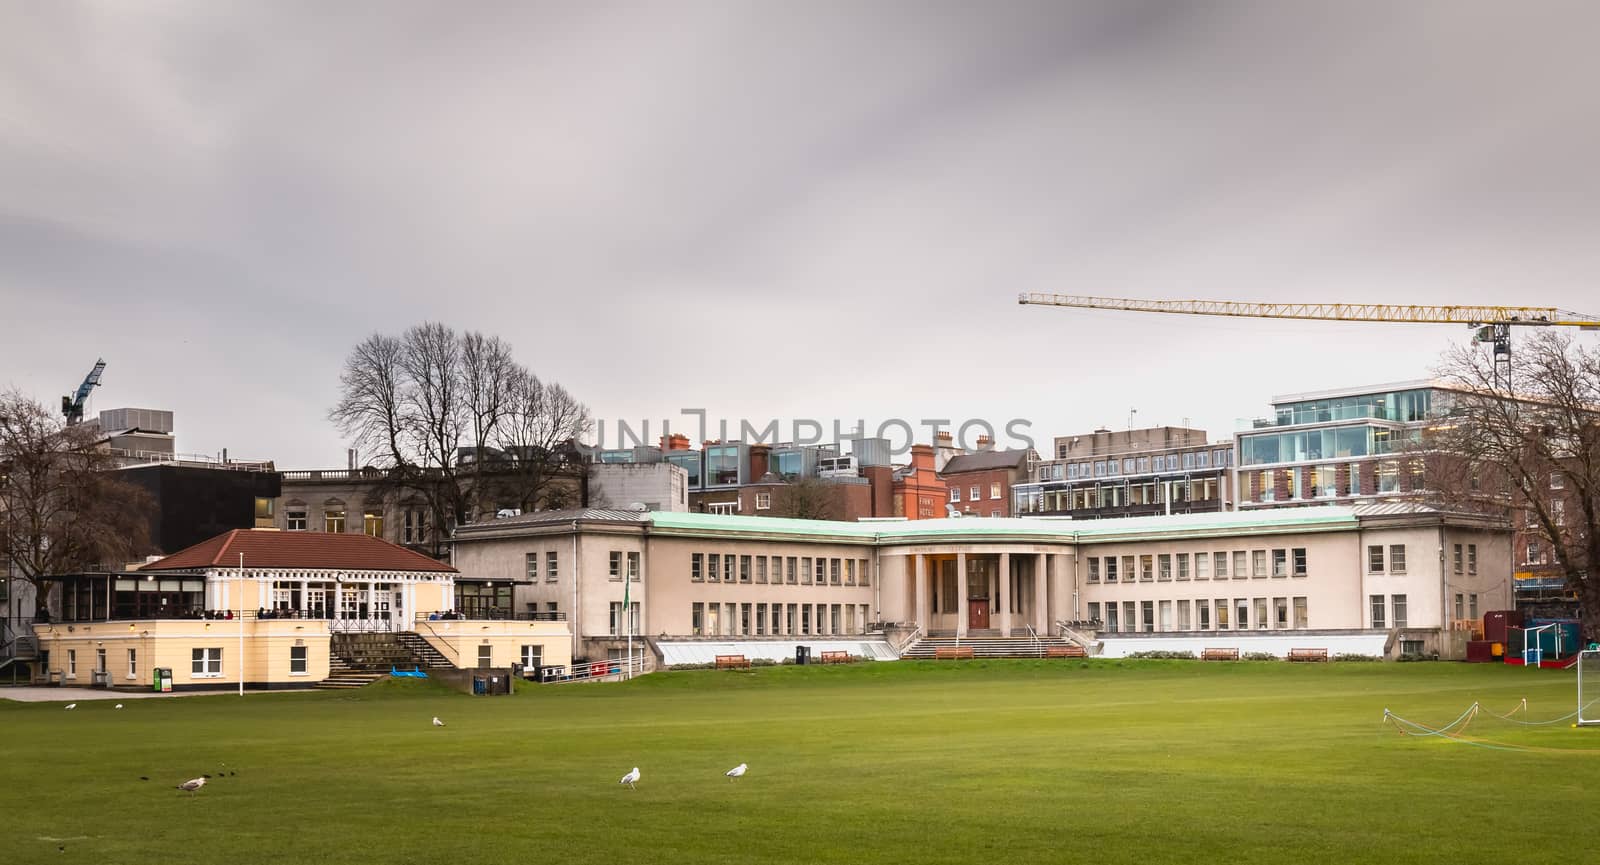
[(773, 210)]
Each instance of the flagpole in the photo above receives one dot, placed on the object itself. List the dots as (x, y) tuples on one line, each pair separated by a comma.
[(241, 624)]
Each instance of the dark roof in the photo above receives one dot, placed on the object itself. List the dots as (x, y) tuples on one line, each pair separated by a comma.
[(984, 461), (319, 550)]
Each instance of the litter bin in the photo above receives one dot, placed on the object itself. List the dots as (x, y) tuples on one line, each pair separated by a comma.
[(163, 679), (479, 685), (802, 654)]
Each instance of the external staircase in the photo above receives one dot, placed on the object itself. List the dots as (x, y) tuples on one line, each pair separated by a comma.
[(355, 660), (984, 644)]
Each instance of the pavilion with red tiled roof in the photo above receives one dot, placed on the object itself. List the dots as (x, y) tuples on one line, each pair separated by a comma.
[(297, 551)]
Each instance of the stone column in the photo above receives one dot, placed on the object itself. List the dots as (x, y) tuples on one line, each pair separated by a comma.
[(921, 577), (961, 594), (1041, 596), (1003, 594)]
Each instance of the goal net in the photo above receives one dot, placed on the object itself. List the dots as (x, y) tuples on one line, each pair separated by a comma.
[(1589, 688)]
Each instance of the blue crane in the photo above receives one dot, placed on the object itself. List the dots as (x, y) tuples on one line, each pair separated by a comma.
[(72, 406)]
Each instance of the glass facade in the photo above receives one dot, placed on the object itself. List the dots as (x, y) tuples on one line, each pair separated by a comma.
[(1405, 406), (722, 464), (1358, 440), (689, 462)]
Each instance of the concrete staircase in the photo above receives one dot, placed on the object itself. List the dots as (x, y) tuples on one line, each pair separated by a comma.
[(423, 652), (343, 677), (984, 644)]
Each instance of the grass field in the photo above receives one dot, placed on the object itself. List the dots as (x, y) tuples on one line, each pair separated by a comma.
[(988, 761)]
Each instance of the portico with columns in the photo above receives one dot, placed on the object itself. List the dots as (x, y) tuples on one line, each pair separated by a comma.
[(961, 589)]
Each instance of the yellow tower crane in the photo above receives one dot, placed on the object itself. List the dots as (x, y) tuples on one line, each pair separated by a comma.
[(1493, 322)]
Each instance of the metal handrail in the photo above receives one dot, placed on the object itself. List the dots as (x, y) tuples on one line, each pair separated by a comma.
[(1033, 637), (454, 661)]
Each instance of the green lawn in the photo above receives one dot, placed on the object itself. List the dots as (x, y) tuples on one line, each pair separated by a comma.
[(987, 761)]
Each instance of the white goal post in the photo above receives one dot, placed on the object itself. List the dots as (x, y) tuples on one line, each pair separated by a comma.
[(1589, 688)]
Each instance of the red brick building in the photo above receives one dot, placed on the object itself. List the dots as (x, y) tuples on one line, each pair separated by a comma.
[(980, 483)]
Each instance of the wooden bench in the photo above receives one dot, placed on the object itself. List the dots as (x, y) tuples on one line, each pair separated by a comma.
[(835, 657), (949, 653), (1220, 655), (1308, 654), (730, 662), (1071, 650)]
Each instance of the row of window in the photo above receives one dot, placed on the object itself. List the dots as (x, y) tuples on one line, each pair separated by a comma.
[(335, 520), (1188, 461), (1397, 609), (792, 570), (975, 492), (1114, 494), (1202, 614), (552, 566), (1467, 560), (1165, 567), (615, 571), (714, 619), (1397, 559)]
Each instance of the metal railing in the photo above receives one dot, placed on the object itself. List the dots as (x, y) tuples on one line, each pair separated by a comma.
[(439, 644), (1033, 638), (601, 669)]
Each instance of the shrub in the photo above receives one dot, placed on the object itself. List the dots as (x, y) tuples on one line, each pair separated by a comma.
[(1355, 656), (1258, 656), (763, 662), (1431, 656), (1163, 655)]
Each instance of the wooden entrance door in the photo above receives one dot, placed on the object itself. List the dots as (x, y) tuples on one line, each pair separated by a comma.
[(978, 613)]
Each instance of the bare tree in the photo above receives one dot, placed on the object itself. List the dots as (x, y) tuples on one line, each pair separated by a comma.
[(1531, 445), (808, 499), (455, 421), (61, 510), (542, 427)]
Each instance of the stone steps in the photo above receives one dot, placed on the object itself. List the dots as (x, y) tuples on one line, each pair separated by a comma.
[(983, 646)]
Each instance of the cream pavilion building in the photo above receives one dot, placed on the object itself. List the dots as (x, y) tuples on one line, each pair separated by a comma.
[(1370, 580), (270, 608)]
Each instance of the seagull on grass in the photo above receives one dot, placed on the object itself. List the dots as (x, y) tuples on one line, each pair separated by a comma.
[(736, 772), (71, 706), (193, 784), (631, 778), (437, 722), (117, 706)]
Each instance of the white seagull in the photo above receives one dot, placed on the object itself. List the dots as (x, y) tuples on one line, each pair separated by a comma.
[(437, 722), (71, 706), (117, 706), (736, 772), (630, 778), (192, 785)]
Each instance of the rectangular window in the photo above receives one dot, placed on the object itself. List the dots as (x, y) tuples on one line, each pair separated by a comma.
[(532, 655), (849, 572), (805, 619), (1094, 611), (1164, 619), (822, 576), (100, 658), (833, 572), (1472, 559), (1111, 616), (697, 564), (994, 490), (1258, 561), (614, 568), (1111, 569), (1460, 559), (861, 573), (297, 660), (744, 569), (333, 521), (1164, 573), (1221, 561), (372, 523), (761, 569), (1300, 619), (133, 663), (1147, 568), (1222, 614), (1261, 614), (1202, 566), (1147, 616), (1094, 571), (1375, 559), (955, 494), (697, 618), (1130, 571), (714, 567), (727, 575), (1377, 611), (974, 494), (1398, 602), (744, 620), (1472, 606), (633, 567), (296, 520), (485, 656), (206, 663), (552, 567), (1183, 568), (788, 571), (1183, 616), (1241, 564), (531, 564), (1461, 605), (1130, 612), (761, 620), (805, 572), (1299, 555), (616, 618), (763, 501), (1280, 563), (1280, 613), (1397, 559)]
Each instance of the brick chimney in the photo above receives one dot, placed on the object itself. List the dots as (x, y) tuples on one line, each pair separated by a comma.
[(675, 442)]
